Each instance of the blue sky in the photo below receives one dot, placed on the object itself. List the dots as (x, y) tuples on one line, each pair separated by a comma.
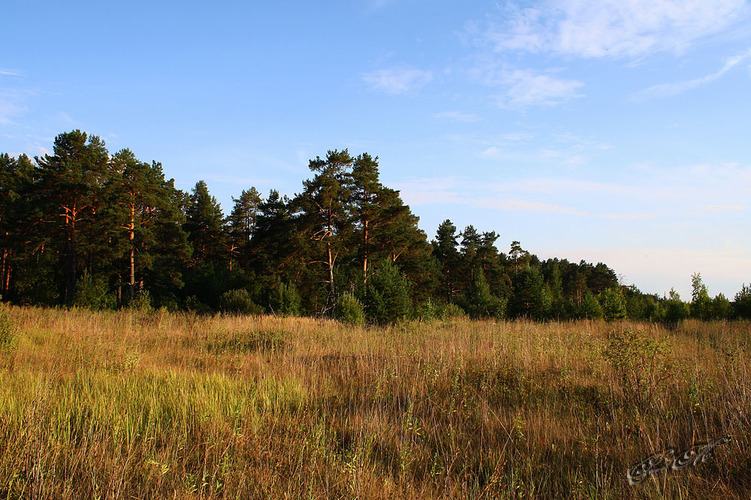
[(613, 131)]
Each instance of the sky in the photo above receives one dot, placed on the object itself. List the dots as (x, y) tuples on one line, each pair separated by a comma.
[(614, 131)]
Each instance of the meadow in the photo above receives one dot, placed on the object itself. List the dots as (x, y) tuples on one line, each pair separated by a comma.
[(150, 404)]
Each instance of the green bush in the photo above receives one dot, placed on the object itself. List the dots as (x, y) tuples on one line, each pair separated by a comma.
[(450, 311), (238, 302), (349, 310), (387, 298), (141, 302), (591, 308), (613, 304), (285, 300), (93, 293), (479, 302)]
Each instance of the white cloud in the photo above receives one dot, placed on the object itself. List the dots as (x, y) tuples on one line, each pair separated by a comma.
[(613, 28), (668, 89), (526, 88), (397, 81)]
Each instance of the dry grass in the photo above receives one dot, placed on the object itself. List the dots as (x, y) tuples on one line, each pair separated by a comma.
[(132, 405)]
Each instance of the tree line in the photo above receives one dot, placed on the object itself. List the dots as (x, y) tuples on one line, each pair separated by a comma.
[(82, 227)]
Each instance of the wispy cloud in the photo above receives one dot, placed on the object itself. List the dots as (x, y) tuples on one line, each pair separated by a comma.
[(669, 89), (511, 197), (6, 72), (398, 80), (611, 28), (12, 104), (526, 88), (724, 208)]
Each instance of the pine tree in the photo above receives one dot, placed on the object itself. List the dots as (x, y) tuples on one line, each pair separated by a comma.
[(205, 227), (325, 214), (70, 187), (140, 201), (241, 225)]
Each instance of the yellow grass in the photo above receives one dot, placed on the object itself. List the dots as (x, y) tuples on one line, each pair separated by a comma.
[(159, 405)]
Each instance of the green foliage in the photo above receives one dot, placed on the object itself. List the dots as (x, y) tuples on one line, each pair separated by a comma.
[(81, 211), (285, 300), (479, 302), (643, 365), (141, 302), (449, 311), (590, 307), (613, 304), (387, 296), (638, 305), (721, 307), (349, 310), (193, 304), (531, 297), (238, 301), (742, 303), (701, 304), (92, 292), (673, 310)]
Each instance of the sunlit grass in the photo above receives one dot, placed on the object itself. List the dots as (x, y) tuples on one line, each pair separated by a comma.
[(159, 405)]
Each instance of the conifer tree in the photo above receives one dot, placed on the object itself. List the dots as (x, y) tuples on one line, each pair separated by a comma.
[(70, 187)]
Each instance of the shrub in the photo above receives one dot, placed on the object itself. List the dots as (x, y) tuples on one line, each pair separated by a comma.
[(643, 365), (591, 308), (141, 302), (613, 304), (479, 302), (285, 300), (238, 301), (452, 310), (387, 294), (92, 293), (349, 310)]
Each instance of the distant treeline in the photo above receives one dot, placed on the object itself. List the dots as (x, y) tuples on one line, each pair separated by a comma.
[(81, 227)]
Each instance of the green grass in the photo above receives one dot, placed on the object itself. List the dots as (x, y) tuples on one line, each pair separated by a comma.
[(157, 405)]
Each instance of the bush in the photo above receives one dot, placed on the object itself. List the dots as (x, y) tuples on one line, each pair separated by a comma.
[(613, 304), (672, 310), (285, 300), (721, 307), (93, 293), (450, 311), (479, 302), (141, 302), (349, 310), (387, 294), (590, 308), (742, 303), (238, 301), (643, 365)]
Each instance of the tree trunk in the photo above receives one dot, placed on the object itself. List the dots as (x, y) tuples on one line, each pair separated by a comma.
[(365, 237), (132, 237)]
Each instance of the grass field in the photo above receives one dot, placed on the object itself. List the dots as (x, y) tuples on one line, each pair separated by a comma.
[(159, 405)]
